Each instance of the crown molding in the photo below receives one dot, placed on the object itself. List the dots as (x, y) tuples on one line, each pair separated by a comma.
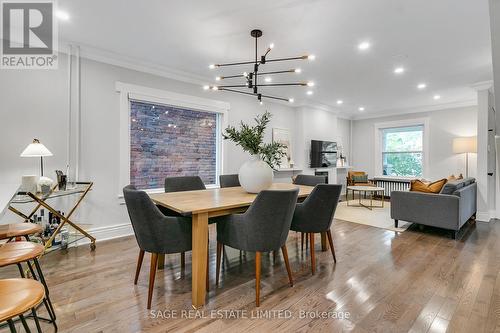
[(112, 58), (419, 109), (483, 85)]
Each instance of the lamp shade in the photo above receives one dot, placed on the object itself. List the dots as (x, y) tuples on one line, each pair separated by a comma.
[(465, 145), (36, 149)]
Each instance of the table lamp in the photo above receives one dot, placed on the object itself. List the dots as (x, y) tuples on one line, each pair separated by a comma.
[(465, 145), (36, 149)]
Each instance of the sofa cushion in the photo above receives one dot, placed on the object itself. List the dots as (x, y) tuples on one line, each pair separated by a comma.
[(451, 186), (360, 179), (434, 187)]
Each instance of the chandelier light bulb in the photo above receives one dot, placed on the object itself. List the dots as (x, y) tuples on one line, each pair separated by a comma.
[(311, 57), (310, 84), (291, 100), (268, 79), (215, 88), (206, 87), (297, 70), (245, 74), (271, 46), (218, 78), (211, 66)]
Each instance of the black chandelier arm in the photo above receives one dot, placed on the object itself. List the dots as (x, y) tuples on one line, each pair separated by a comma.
[(304, 57), (278, 72), (231, 76), (233, 86), (302, 84), (252, 94)]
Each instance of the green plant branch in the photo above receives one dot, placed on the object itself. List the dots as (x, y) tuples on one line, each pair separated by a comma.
[(251, 139)]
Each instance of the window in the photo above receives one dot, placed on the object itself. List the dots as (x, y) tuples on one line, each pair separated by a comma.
[(172, 141), (402, 151)]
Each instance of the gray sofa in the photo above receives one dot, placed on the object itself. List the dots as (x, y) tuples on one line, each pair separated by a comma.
[(450, 209)]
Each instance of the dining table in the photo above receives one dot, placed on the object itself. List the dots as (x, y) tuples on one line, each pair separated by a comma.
[(201, 205)]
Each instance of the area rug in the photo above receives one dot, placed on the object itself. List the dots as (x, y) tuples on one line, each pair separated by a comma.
[(377, 217)]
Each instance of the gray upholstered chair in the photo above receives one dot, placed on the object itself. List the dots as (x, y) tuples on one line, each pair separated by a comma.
[(263, 227), (184, 183), (308, 180), (229, 180), (155, 233), (315, 215)]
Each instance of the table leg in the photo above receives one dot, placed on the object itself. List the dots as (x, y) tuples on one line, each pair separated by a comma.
[(199, 259), (324, 244), (161, 261)]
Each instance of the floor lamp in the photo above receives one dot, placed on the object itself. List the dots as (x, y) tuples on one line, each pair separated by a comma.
[(36, 149), (465, 145)]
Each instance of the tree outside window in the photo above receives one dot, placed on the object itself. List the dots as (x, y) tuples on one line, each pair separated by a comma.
[(402, 151)]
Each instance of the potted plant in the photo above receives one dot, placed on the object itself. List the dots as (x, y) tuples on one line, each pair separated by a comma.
[(256, 174)]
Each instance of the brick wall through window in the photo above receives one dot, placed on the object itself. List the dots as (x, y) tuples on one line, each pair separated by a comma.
[(171, 141)]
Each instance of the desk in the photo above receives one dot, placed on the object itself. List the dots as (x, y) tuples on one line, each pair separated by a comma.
[(202, 205)]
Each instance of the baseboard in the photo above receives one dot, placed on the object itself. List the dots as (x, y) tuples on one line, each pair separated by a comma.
[(107, 233), (483, 216)]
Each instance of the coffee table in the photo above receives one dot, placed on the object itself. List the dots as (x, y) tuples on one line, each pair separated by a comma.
[(371, 190)]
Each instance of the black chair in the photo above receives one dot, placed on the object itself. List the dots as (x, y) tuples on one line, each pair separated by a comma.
[(229, 181), (308, 180), (315, 215), (263, 227), (155, 233), (184, 183)]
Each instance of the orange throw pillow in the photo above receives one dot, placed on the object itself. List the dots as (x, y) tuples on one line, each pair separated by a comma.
[(434, 187)]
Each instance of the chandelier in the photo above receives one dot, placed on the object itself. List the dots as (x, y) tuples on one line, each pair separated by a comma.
[(252, 80)]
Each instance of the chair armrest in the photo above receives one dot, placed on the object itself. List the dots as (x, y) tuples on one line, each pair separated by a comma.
[(441, 210)]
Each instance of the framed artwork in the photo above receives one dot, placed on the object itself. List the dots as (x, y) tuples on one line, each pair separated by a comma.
[(284, 136)]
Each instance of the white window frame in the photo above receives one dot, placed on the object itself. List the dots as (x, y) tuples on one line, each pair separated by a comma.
[(134, 92), (378, 142)]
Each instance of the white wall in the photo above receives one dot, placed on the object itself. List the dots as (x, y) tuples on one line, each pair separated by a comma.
[(444, 126), (35, 104)]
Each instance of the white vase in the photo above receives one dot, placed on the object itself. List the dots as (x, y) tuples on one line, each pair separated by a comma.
[(255, 175)]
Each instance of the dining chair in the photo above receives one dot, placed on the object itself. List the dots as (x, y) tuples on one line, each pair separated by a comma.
[(308, 180), (315, 215), (229, 180), (155, 233), (263, 227), (183, 183)]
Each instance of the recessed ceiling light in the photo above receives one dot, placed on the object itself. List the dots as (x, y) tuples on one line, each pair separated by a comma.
[(62, 15), (309, 92), (268, 79), (364, 46), (399, 70), (361, 108), (436, 97), (421, 86), (340, 102)]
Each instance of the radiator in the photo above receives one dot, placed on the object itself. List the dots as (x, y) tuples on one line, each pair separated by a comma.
[(392, 184)]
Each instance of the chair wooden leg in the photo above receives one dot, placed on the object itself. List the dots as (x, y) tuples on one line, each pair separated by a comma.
[(329, 234), (301, 241), (183, 261), (152, 274), (219, 257), (313, 259), (139, 265), (257, 278), (287, 264)]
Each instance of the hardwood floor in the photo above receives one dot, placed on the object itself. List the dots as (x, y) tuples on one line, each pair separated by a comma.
[(416, 281)]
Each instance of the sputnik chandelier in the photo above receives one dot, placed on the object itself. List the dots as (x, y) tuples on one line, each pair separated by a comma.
[(252, 79)]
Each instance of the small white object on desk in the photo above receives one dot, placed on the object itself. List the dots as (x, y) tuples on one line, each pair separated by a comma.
[(29, 183)]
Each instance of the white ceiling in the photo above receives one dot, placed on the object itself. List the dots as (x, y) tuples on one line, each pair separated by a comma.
[(444, 43)]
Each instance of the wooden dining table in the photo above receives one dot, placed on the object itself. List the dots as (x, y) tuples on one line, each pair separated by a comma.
[(202, 205)]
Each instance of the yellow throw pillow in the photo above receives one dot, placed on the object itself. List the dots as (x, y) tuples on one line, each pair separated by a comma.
[(434, 187)]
